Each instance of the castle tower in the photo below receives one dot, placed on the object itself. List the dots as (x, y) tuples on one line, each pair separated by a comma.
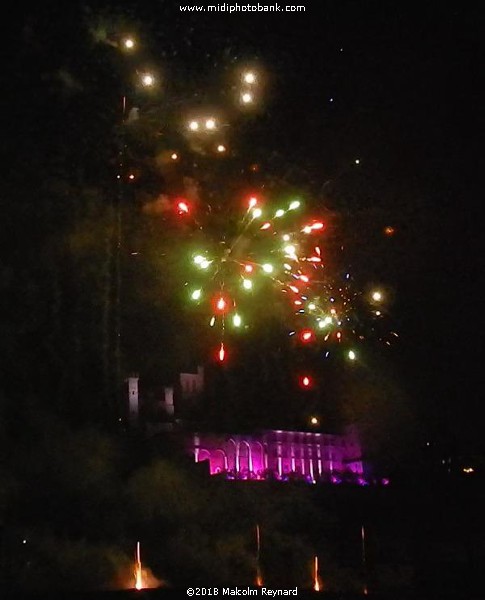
[(192, 384), (167, 403), (133, 400)]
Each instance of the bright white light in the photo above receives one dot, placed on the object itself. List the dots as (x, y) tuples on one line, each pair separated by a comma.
[(129, 43), (210, 124), (174, 156), (267, 268), (221, 148), (247, 98), (376, 296), (147, 80), (352, 355), (193, 125), (249, 77), (257, 212)]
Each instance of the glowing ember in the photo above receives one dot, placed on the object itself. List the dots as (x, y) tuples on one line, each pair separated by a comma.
[(316, 579), (138, 573), (259, 576)]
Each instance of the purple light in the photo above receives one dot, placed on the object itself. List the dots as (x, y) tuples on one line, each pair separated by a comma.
[(283, 456)]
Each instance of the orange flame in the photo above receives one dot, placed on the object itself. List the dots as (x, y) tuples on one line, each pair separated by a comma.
[(259, 576), (138, 573), (316, 579)]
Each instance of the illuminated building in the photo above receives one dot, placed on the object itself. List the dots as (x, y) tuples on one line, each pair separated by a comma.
[(283, 455)]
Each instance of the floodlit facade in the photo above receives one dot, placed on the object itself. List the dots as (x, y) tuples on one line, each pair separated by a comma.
[(310, 456), (282, 455)]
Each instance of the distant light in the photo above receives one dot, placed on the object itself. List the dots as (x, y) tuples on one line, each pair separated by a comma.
[(183, 207), (221, 304), (314, 421), (196, 294), (306, 381), (147, 80), (468, 470), (247, 284), (247, 98), (210, 124), (295, 204), (174, 156), (193, 125), (252, 201), (131, 176), (279, 213), (257, 212), (267, 268), (129, 43), (357, 161), (351, 354), (221, 148), (389, 230), (221, 353), (377, 296), (236, 319), (307, 335), (249, 77)]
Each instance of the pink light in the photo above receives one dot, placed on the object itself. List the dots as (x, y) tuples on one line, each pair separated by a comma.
[(307, 335), (266, 225), (305, 381), (221, 304), (252, 201), (183, 207), (318, 225), (248, 268), (222, 353)]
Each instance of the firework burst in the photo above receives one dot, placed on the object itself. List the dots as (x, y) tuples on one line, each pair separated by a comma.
[(268, 258)]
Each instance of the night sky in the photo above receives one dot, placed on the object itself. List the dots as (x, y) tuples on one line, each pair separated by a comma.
[(394, 86)]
